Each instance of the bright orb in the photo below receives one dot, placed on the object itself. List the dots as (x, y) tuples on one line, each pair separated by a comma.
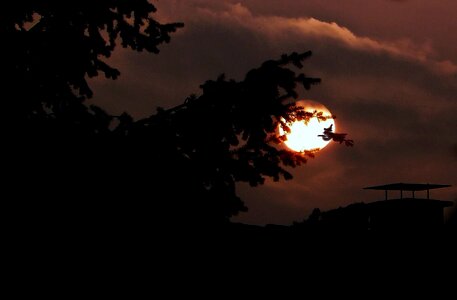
[(305, 137)]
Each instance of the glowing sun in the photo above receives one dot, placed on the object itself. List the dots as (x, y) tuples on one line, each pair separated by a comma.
[(305, 137)]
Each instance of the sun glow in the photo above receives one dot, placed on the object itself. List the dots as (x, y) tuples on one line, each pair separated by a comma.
[(305, 137)]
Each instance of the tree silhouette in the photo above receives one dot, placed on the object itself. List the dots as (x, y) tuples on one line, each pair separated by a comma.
[(228, 134), (52, 47), (177, 166)]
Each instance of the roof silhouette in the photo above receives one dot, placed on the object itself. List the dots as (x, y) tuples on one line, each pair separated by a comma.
[(407, 187)]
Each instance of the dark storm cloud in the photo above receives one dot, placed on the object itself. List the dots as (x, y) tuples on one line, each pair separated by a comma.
[(395, 97)]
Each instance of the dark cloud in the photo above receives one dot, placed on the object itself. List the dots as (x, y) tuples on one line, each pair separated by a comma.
[(426, 23), (396, 97)]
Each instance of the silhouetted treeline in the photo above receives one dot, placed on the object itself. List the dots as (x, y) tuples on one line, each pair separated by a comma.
[(79, 166)]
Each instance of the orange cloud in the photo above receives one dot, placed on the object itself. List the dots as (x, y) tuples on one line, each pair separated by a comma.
[(276, 28)]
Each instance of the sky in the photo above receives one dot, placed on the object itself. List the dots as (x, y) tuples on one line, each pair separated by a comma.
[(388, 70)]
